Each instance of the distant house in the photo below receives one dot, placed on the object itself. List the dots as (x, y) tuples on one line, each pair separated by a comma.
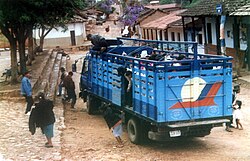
[(153, 13), (74, 35), (209, 17), (165, 25), (160, 28)]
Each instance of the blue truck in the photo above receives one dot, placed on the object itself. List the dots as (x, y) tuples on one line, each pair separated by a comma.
[(176, 92)]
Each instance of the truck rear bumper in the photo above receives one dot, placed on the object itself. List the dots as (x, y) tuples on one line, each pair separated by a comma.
[(199, 123), (187, 129), (182, 132)]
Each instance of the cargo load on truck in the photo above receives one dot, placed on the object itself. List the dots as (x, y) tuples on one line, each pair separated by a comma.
[(174, 91)]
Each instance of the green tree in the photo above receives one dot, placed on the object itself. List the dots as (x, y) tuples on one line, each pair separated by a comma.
[(18, 18), (46, 24), (166, 1)]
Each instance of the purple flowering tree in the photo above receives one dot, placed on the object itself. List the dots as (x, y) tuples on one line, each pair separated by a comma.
[(131, 14), (105, 6)]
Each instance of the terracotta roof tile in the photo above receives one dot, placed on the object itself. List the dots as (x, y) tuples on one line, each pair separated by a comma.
[(163, 22), (208, 7), (242, 11), (166, 6), (147, 13)]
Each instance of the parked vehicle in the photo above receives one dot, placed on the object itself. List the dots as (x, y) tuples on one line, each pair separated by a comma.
[(175, 93)]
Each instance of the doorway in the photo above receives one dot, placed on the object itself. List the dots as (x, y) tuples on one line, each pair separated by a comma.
[(73, 38)]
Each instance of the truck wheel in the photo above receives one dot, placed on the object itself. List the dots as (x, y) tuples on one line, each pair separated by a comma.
[(133, 131), (92, 104)]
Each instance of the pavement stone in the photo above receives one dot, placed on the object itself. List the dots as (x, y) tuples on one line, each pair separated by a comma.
[(16, 141), (245, 78)]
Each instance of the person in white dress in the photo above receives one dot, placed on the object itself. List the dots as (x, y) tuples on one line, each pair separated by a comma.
[(237, 114)]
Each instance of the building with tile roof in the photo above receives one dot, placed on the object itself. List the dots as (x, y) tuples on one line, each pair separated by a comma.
[(234, 30), (163, 23), (208, 7), (242, 11), (164, 26)]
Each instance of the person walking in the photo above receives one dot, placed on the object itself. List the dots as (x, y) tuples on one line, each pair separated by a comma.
[(114, 122), (43, 116), (26, 90), (70, 88), (60, 85)]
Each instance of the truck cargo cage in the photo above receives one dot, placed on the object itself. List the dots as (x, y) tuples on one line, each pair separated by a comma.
[(171, 82)]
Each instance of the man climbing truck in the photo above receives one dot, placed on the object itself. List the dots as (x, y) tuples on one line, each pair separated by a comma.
[(175, 93)]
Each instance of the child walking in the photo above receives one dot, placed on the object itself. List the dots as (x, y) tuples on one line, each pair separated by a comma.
[(238, 114), (114, 122)]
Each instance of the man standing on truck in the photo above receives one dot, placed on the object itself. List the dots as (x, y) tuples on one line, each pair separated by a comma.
[(99, 42), (70, 88)]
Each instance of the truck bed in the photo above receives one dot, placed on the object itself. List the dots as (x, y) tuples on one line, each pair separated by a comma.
[(198, 87)]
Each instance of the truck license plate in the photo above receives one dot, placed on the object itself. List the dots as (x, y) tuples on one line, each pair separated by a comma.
[(175, 133)]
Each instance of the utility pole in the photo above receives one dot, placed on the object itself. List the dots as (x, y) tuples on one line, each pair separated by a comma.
[(220, 8)]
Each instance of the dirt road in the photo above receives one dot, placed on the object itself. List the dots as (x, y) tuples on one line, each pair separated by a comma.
[(87, 138)]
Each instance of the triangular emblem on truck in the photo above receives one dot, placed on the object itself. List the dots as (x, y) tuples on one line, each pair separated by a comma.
[(197, 96)]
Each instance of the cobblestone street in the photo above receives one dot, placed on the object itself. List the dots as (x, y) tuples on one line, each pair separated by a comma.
[(16, 141)]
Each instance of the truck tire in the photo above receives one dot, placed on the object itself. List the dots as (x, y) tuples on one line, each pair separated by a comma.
[(92, 104), (134, 131)]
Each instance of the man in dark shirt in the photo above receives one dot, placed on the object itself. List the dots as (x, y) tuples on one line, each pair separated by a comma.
[(70, 88), (60, 85), (99, 42)]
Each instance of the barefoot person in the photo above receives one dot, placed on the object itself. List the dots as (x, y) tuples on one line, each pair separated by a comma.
[(237, 114), (43, 116), (114, 123)]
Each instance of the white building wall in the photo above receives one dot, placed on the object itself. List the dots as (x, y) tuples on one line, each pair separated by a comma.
[(139, 30), (213, 28), (60, 37), (176, 31), (229, 28), (163, 35), (79, 29), (158, 34), (228, 32)]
